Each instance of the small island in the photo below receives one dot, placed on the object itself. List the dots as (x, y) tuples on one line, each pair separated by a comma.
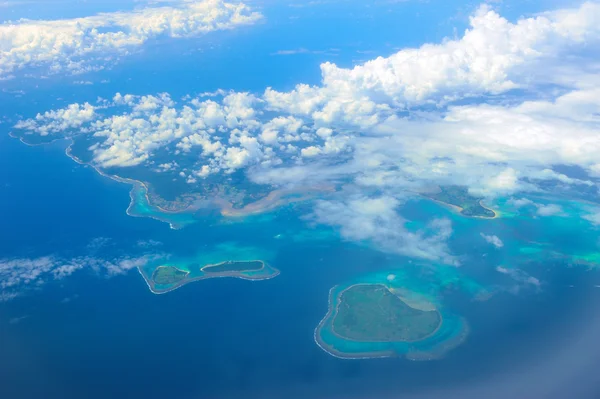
[(234, 266), (459, 198), (166, 275), (371, 312), (382, 319)]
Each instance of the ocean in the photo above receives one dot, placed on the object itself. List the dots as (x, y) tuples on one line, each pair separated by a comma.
[(93, 336), (96, 337)]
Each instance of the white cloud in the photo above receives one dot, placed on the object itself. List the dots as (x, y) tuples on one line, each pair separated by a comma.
[(549, 210), (391, 124), (519, 276), (14, 272), (122, 266), (82, 44), (520, 202), (167, 167), (7, 296), (489, 58), (540, 209), (18, 274), (593, 218), (489, 147), (506, 181), (505, 143), (59, 121), (281, 129), (311, 151), (376, 220), (149, 243), (549, 174), (492, 239)]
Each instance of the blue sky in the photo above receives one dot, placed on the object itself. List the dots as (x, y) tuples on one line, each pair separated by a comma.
[(355, 31)]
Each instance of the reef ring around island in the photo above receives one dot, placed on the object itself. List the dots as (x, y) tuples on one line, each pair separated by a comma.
[(375, 319)]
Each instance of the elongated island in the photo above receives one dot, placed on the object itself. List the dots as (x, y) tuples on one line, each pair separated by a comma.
[(168, 277)]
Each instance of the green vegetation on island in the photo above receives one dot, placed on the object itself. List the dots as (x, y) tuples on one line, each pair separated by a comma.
[(168, 275), (372, 313), (227, 259), (459, 196), (234, 267)]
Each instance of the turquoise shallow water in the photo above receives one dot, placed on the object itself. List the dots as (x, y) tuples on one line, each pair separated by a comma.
[(452, 332), (527, 239), (91, 336), (222, 252), (140, 207), (220, 338), (232, 332)]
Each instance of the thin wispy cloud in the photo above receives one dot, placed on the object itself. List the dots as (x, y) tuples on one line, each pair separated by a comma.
[(17, 275), (332, 52)]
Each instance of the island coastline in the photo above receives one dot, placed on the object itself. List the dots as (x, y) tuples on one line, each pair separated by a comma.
[(431, 346), (270, 271)]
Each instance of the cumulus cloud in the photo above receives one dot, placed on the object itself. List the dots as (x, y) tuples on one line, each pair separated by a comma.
[(493, 148), (82, 44), (394, 124), (492, 239), (489, 58), (59, 121)]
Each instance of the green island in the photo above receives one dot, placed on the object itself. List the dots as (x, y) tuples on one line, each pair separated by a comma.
[(459, 197), (231, 202), (168, 275), (373, 313), (164, 277), (389, 314), (234, 266)]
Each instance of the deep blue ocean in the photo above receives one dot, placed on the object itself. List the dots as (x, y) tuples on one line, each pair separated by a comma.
[(89, 336), (94, 337)]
